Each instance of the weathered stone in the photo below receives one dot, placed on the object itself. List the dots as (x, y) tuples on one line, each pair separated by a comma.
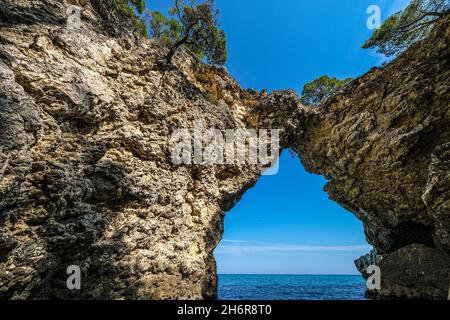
[(87, 177), (383, 145)]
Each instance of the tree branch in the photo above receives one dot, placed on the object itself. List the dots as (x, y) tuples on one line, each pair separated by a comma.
[(418, 19), (177, 7)]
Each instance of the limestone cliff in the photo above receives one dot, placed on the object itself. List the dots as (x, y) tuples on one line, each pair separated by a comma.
[(87, 179), (383, 144)]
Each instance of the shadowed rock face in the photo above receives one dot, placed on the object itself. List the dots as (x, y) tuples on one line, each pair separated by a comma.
[(87, 178), (383, 144)]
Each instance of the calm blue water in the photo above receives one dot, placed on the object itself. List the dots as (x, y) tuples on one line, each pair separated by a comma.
[(291, 287)]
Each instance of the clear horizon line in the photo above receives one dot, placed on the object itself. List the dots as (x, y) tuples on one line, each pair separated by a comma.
[(252, 248), (289, 274)]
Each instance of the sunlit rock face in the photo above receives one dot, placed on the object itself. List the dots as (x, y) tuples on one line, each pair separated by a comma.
[(87, 177)]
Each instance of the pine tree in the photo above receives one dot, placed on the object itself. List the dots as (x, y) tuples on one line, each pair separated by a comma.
[(406, 27)]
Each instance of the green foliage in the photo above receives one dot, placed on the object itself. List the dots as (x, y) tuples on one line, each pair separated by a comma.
[(139, 5), (141, 27), (157, 23), (194, 26), (123, 9), (318, 90), (217, 52), (406, 27), (167, 30)]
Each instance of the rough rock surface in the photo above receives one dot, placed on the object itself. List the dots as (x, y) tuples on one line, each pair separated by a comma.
[(86, 171), (383, 144), (87, 177)]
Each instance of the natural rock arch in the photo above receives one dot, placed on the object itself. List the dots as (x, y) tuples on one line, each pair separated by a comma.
[(85, 126)]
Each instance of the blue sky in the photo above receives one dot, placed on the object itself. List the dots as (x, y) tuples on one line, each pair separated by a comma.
[(287, 224)]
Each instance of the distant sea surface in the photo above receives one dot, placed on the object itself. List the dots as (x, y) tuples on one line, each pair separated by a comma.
[(291, 287)]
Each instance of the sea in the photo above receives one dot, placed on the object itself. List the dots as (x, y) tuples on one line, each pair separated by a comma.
[(291, 287)]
